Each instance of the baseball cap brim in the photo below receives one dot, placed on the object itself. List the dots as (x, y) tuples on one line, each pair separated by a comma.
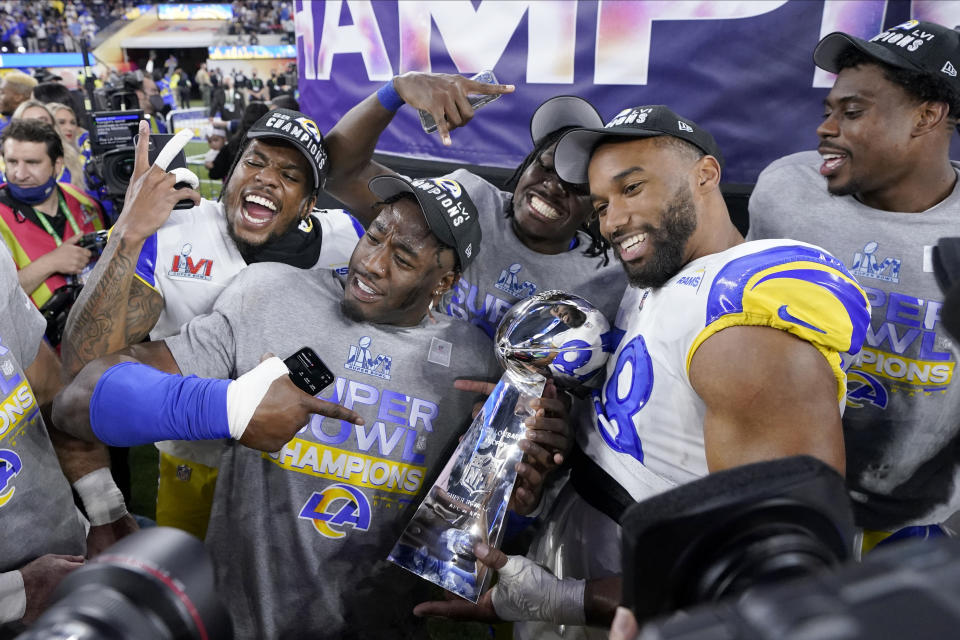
[(252, 135), (562, 111), (572, 157), (385, 187), (830, 48)]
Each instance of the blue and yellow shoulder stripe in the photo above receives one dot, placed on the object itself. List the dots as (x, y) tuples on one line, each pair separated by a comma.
[(799, 289)]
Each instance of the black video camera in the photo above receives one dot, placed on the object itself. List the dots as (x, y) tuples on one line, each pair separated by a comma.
[(111, 140), (156, 584), (56, 309), (733, 531)]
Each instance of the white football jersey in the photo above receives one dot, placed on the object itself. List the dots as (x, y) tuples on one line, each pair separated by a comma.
[(646, 422), (192, 259)]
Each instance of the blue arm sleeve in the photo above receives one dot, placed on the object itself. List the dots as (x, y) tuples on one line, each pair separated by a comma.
[(135, 404)]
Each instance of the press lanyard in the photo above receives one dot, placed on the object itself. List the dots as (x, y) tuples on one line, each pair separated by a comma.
[(46, 223)]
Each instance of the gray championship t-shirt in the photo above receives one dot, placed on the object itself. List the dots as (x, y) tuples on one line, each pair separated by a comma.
[(506, 271), (300, 538), (902, 420), (37, 514)]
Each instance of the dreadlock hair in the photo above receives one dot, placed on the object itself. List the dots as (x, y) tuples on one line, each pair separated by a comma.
[(922, 86), (441, 245), (598, 244)]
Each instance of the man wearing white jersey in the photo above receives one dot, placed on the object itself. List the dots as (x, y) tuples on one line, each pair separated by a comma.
[(726, 352), (167, 268)]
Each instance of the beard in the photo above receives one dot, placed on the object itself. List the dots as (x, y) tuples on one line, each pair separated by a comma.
[(678, 221)]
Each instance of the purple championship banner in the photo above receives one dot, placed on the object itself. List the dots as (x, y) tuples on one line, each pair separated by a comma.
[(743, 70)]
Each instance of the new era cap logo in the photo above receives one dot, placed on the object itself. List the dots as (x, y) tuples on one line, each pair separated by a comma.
[(949, 69), (683, 126)]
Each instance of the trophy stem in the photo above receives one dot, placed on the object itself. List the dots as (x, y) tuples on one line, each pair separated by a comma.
[(468, 502)]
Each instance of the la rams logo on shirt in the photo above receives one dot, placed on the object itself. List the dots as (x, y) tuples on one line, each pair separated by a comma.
[(337, 509), (10, 466), (362, 360)]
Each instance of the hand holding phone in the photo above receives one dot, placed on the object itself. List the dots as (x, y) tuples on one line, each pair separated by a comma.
[(166, 151), (476, 101), (308, 372)]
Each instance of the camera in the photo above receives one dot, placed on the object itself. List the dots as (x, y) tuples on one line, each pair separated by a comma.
[(908, 590), (56, 309), (733, 531), (111, 140), (762, 552), (156, 584)]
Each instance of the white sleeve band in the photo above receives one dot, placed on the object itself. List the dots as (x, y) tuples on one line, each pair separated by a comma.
[(13, 597), (245, 393), (527, 591), (102, 499)]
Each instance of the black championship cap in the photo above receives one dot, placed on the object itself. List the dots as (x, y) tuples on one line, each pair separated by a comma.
[(925, 47), (563, 111), (575, 147), (300, 131), (449, 211)]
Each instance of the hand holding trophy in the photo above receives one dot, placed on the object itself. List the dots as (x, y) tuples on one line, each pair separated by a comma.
[(549, 334)]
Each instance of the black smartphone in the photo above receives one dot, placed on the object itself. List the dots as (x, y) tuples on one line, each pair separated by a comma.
[(157, 142), (308, 372)]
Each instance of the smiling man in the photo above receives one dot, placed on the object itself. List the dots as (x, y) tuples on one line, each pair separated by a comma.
[(729, 352), (879, 192), (300, 536), (167, 268), (538, 229)]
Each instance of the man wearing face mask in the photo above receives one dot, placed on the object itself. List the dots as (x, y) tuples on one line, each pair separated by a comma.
[(41, 220), (150, 98)]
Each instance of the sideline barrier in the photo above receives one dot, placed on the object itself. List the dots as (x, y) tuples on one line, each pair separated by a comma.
[(194, 118)]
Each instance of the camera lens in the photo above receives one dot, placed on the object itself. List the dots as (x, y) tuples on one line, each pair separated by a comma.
[(156, 584)]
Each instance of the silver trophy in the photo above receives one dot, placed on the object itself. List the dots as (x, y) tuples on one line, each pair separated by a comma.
[(552, 334)]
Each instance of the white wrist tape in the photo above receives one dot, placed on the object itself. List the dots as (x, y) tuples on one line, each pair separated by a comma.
[(102, 500), (527, 591), (182, 174), (13, 597), (245, 393)]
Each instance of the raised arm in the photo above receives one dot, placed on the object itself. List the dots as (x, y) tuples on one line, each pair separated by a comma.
[(781, 402), (115, 309), (353, 139)]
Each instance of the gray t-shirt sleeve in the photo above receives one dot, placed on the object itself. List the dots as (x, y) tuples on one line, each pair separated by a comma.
[(22, 323), (206, 346)]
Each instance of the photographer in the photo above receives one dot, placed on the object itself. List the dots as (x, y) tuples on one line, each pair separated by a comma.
[(41, 220)]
